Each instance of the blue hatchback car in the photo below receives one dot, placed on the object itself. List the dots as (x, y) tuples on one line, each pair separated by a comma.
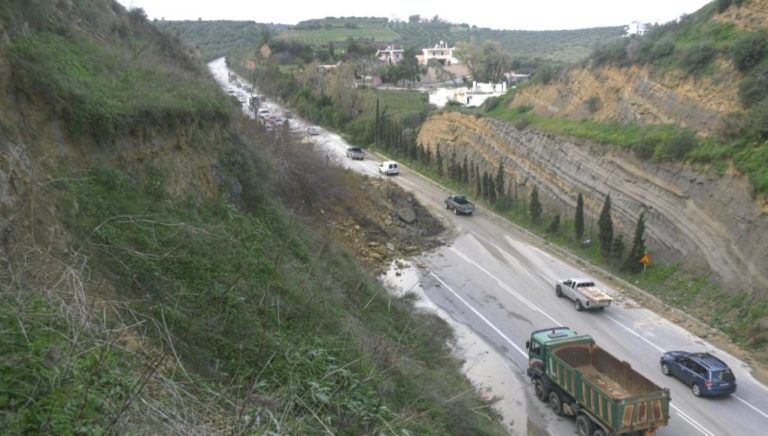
[(704, 373)]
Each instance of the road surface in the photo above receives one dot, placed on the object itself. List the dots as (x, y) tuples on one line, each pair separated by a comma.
[(495, 283)]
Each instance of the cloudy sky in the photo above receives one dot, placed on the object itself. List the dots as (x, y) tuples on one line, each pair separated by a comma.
[(509, 14)]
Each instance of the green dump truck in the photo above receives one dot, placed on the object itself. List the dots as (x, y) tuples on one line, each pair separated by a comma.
[(578, 378)]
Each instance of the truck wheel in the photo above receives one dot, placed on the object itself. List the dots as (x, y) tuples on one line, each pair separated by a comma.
[(584, 425), (558, 291), (541, 391), (598, 432), (555, 404), (579, 307)]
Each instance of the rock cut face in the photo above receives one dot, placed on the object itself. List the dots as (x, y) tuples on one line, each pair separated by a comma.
[(692, 215)]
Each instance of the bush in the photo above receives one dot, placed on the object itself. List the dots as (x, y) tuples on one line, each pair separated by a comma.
[(696, 57), (593, 104), (662, 48), (614, 52), (749, 50), (754, 88), (680, 144), (644, 149)]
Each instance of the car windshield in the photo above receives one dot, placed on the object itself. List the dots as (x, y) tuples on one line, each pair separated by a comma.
[(460, 199), (722, 376), (355, 149)]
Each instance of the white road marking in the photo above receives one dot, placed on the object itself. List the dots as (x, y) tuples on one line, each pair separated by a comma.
[(765, 415), (525, 301), (504, 285), (628, 329), (480, 315), (691, 421)]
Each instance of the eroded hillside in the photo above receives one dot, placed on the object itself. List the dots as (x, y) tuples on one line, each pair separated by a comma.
[(692, 215), (687, 73), (635, 95)]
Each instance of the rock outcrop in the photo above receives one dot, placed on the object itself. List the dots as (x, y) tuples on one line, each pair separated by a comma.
[(635, 95), (692, 215)]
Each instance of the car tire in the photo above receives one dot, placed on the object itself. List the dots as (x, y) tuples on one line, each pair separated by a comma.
[(558, 291), (579, 307), (447, 206), (665, 369), (696, 389), (455, 211)]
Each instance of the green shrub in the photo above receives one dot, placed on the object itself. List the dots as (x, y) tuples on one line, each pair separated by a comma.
[(696, 57), (679, 145), (593, 104), (644, 149), (749, 50), (754, 88)]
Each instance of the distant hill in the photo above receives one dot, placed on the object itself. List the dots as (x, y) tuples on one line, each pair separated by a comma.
[(214, 38)]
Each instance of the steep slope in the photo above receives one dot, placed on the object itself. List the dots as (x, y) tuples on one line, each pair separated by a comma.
[(636, 95), (692, 215), (159, 268), (686, 73)]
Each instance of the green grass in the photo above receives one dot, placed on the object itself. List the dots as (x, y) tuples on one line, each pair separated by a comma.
[(102, 91), (56, 376), (255, 299), (323, 36)]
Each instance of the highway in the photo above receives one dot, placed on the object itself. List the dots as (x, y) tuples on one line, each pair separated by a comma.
[(495, 283)]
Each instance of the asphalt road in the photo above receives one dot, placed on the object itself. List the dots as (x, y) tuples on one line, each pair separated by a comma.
[(496, 281)]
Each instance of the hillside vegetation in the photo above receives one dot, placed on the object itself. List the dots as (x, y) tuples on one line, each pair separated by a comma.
[(528, 48), (159, 267), (707, 63)]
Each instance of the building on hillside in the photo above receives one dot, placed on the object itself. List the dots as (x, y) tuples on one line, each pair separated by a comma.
[(636, 28), (389, 55), (468, 96), (513, 78), (440, 52)]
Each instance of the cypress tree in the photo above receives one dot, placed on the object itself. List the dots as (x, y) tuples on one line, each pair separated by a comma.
[(617, 249), (486, 187), (491, 190), (638, 250), (500, 180), (376, 124), (439, 163), (535, 205), (478, 184), (465, 171), (554, 226), (578, 222), (605, 226), (452, 173)]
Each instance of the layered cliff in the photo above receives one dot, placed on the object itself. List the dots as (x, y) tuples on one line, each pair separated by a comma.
[(692, 215)]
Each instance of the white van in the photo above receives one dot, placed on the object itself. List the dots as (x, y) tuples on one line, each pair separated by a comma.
[(389, 168)]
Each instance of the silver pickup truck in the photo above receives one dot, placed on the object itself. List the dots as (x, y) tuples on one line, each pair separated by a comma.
[(584, 293)]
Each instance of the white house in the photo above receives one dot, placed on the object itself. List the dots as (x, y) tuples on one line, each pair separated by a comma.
[(440, 52), (389, 55)]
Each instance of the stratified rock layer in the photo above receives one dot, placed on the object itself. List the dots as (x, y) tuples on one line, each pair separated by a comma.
[(692, 214)]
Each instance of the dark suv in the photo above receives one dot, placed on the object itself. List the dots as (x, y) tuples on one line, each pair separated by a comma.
[(703, 372)]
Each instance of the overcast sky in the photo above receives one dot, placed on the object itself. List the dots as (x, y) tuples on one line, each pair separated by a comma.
[(509, 14)]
